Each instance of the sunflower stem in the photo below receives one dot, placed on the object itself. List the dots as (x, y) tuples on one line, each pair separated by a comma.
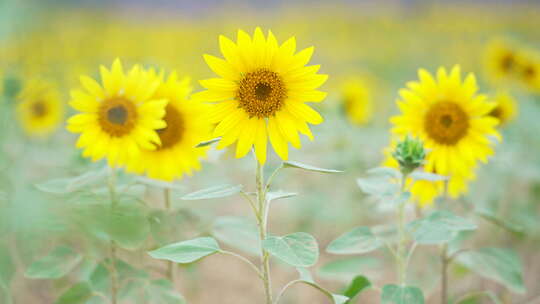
[(114, 272), (262, 223), (170, 264), (402, 260)]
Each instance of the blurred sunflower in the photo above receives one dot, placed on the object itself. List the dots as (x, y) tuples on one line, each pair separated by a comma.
[(357, 101), (186, 127), (529, 70), (452, 121), (39, 108), (505, 108), (261, 93), (501, 61), (118, 117)]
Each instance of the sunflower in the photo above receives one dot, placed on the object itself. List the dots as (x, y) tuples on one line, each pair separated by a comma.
[(39, 108), (452, 120), (501, 61), (261, 94), (119, 117), (505, 108), (186, 127), (529, 70), (357, 101)]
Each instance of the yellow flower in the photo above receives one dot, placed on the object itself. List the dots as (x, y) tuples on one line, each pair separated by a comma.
[(357, 101), (186, 127), (505, 109), (501, 61), (529, 70), (39, 109), (119, 117), (261, 93), (452, 120)]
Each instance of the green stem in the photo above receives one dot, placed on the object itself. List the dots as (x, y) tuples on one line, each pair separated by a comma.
[(261, 223), (401, 255), (114, 272), (444, 272), (170, 264)]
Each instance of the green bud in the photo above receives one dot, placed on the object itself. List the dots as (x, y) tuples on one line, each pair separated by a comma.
[(410, 154)]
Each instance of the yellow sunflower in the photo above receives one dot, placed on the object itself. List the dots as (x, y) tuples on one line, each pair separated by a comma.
[(529, 70), (506, 108), (501, 61), (261, 93), (39, 108), (452, 120), (357, 101), (119, 117), (186, 127)]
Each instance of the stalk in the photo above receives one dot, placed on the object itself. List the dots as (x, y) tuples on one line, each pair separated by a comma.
[(444, 274), (262, 223), (170, 264), (112, 247), (401, 258)]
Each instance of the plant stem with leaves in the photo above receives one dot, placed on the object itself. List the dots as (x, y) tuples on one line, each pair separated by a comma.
[(401, 256)]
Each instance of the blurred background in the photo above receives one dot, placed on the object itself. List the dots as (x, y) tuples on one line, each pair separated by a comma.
[(369, 48)]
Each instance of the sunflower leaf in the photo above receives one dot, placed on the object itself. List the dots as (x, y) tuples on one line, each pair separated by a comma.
[(213, 192), (298, 165)]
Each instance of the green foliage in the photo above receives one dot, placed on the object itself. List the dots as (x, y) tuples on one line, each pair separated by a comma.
[(394, 294), (72, 184), (439, 227), (276, 195), (238, 232), (357, 241), (298, 165), (346, 269), (7, 266), (498, 264), (357, 285), (76, 294), (307, 278), (187, 251), (213, 192), (161, 291), (59, 262), (298, 249)]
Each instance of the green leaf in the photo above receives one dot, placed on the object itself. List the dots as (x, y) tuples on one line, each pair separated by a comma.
[(393, 294), (346, 269), (7, 266), (275, 195), (213, 192), (238, 232), (59, 262), (307, 278), (386, 172), (475, 297), (78, 293), (439, 227), (297, 165), (298, 249), (100, 279), (158, 183), (208, 142), (378, 187), (187, 251), (357, 241), (426, 176), (499, 264), (127, 224), (357, 285), (503, 223), (162, 291), (68, 185)]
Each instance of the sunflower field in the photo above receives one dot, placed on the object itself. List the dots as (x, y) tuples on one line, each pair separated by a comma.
[(274, 152)]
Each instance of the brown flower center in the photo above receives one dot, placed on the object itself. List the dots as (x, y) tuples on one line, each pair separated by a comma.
[(261, 93), (508, 62), (39, 109), (117, 116), (497, 112), (446, 123), (529, 72), (172, 133)]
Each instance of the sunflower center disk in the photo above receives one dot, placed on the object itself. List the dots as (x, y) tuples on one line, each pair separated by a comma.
[(446, 123), (497, 113), (39, 109), (172, 133), (117, 116), (261, 93), (507, 62)]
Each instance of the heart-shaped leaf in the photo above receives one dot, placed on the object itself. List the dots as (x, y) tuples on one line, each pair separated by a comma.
[(393, 294), (59, 262), (187, 251), (439, 227), (298, 249), (357, 241)]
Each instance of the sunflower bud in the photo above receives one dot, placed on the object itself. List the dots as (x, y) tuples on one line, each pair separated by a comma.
[(410, 154)]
